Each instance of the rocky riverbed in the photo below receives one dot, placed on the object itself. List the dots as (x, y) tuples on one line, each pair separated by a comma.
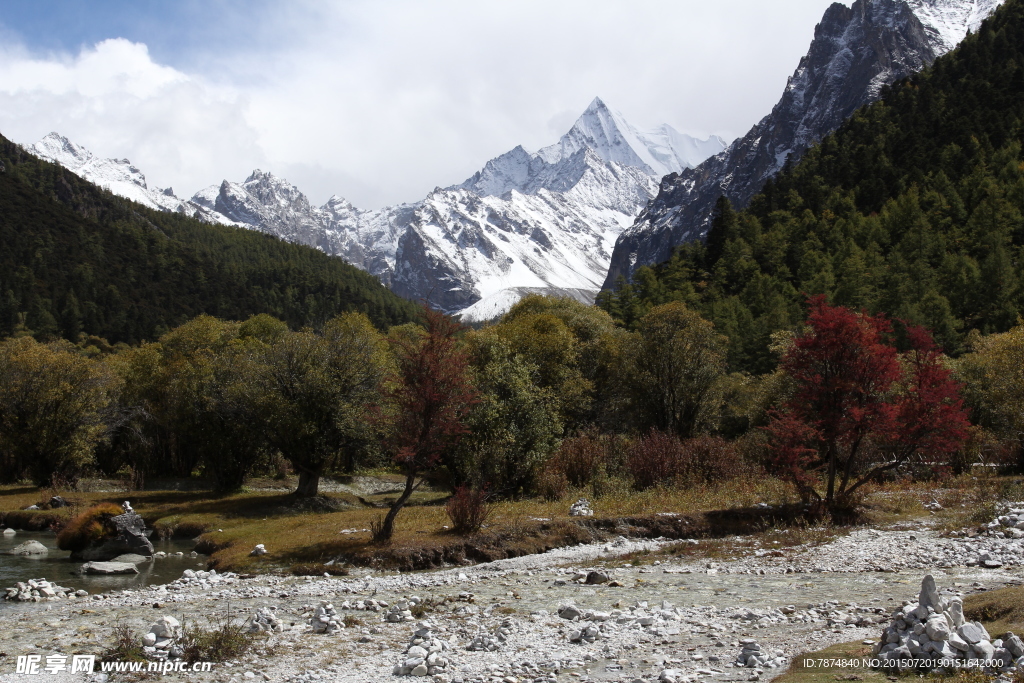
[(538, 619)]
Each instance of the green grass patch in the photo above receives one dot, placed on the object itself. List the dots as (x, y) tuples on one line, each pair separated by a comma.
[(301, 532), (808, 668), (1001, 610)]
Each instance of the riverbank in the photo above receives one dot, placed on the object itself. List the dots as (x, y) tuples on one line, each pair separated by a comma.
[(335, 526), (801, 598)]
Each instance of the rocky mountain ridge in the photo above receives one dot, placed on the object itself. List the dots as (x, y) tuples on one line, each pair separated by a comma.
[(119, 176), (856, 51), (542, 222)]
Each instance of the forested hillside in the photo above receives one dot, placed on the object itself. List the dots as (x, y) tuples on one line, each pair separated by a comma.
[(76, 259), (912, 208)]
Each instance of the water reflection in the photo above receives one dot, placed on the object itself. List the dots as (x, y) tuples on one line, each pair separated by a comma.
[(56, 565)]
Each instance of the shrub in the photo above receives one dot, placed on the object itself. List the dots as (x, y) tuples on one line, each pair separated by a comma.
[(551, 484), (654, 459), (662, 459), (225, 641), (467, 509), (709, 460), (604, 485), (87, 527), (579, 461), (127, 646)]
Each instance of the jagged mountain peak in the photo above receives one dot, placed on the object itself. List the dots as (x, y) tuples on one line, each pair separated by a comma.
[(56, 147), (609, 135), (511, 170), (856, 51), (600, 135), (337, 203), (119, 176)]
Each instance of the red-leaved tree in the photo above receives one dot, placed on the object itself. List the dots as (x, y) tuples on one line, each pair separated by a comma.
[(853, 389), (432, 395)]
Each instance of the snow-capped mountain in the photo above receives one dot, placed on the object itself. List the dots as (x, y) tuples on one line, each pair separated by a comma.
[(855, 52), (608, 136), (526, 222), (540, 222), (116, 175)]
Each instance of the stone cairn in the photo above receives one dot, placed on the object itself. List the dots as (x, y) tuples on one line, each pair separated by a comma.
[(160, 642), (934, 628), (40, 590), (368, 605), (425, 654), (752, 656), (581, 508), (489, 642), (264, 620), (325, 619), (401, 611)]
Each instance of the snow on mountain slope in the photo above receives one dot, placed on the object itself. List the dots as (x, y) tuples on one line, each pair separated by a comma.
[(947, 21), (118, 176), (460, 248)]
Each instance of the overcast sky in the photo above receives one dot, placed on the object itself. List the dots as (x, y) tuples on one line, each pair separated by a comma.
[(378, 101)]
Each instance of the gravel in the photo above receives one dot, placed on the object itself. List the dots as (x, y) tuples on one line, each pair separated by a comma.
[(674, 620)]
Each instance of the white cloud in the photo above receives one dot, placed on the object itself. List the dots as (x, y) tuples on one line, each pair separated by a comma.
[(380, 102), (114, 100)]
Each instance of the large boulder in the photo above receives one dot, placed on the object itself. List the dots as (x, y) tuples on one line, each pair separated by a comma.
[(29, 548), (130, 537)]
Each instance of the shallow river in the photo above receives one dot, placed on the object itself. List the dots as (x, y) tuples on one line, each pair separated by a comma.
[(58, 567)]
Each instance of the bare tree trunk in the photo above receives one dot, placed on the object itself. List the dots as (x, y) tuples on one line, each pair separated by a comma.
[(387, 528), (831, 484), (309, 484)]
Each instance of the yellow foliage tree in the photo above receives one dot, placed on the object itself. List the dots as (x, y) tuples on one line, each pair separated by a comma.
[(994, 377), (672, 370), (53, 409)]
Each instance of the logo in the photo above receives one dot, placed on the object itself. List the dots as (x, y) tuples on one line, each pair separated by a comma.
[(34, 664)]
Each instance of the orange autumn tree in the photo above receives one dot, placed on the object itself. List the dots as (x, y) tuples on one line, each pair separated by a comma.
[(432, 397)]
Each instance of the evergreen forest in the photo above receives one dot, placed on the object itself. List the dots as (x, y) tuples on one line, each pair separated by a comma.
[(913, 208), (77, 260)]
